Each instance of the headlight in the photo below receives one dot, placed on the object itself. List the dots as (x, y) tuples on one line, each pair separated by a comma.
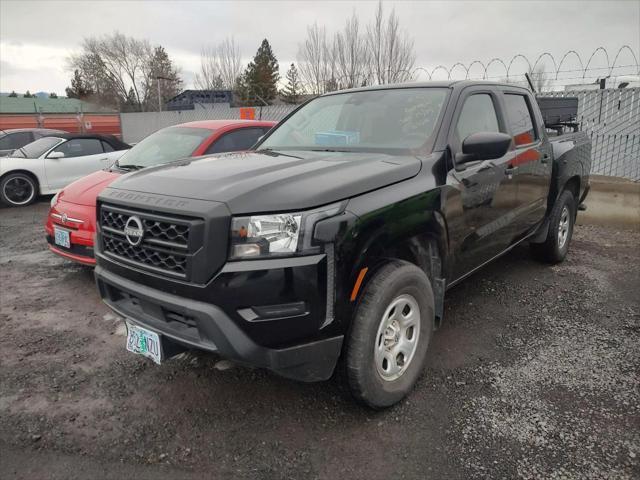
[(54, 200), (280, 234)]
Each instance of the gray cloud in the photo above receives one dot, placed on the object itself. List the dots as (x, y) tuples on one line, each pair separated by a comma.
[(444, 32)]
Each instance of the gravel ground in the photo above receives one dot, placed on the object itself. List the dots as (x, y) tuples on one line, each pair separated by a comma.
[(535, 374)]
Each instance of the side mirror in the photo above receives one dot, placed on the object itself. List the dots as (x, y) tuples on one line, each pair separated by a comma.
[(483, 146), (56, 155)]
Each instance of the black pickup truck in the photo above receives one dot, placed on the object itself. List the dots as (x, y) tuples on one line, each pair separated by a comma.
[(334, 240)]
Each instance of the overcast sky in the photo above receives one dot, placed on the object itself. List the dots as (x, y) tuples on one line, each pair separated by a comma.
[(37, 37)]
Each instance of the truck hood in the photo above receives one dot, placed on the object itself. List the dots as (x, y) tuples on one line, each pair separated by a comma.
[(254, 182), (85, 190)]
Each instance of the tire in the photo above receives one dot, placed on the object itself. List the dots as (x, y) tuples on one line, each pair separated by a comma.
[(18, 189), (397, 285), (561, 221)]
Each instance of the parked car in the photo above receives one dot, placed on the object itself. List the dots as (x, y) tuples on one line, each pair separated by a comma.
[(70, 226), (15, 138), (337, 238), (45, 166)]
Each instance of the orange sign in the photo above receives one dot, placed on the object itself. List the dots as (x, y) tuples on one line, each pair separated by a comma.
[(248, 113)]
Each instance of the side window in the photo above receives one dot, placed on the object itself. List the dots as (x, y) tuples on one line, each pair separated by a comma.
[(519, 118), (80, 147), (107, 147), (237, 140), (16, 140), (478, 115)]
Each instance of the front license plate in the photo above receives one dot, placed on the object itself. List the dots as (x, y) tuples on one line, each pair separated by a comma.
[(61, 237), (144, 342)]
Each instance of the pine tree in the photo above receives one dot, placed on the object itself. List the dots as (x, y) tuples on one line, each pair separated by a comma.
[(262, 75), (241, 90), (53, 95), (28, 95), (131, 103), (78, 88), (13, 94), (293, 89), (161, 65)]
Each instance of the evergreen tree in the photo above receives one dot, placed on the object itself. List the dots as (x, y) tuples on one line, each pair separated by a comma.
[(28, 95), (78, 89), (161, 65), (241, 90), (13, 94), (131, 103), (293, 89), (262, 76), (53, 95)]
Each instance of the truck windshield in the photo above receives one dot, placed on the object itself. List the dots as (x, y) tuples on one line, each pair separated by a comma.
[(164, 146), (37, 148), (385, 120)]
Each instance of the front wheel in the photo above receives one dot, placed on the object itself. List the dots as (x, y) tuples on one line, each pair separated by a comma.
[(18, 190), (561, 221), (391, 330)]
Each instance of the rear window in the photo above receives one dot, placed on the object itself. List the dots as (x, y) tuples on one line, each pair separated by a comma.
[(519, 119)]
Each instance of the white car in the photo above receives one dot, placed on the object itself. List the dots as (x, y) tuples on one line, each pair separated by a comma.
[(47, 165)]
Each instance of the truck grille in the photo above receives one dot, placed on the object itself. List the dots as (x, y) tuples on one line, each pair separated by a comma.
[(166, 244)]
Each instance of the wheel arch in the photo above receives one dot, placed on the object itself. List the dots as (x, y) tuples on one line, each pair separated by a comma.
[(427, 249), (25, 172)]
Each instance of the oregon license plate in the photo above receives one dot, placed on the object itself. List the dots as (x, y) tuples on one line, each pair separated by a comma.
[(144, 342), (61, 237)]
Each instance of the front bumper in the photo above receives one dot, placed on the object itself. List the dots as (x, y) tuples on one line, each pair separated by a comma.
[(80, 223), (204, 325)]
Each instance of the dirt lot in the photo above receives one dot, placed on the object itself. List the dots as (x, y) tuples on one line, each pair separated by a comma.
[(535, 374)]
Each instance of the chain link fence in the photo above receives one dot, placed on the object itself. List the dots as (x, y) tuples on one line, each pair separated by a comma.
[(137, 125), (610, 117)]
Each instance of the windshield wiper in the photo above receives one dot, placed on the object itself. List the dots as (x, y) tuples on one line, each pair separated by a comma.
[(328, 150), (129, 167), (272, 152)]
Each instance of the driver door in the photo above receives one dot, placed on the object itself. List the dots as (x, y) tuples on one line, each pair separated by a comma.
[(481, 222), (82, 156)]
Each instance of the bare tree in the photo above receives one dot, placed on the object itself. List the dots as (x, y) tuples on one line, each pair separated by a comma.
[(220, 66), (351, 54), (391, 51), (120, 70), (313, 59)]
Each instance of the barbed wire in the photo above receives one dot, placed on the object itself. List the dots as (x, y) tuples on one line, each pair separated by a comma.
[(554, 78), (532, 66)]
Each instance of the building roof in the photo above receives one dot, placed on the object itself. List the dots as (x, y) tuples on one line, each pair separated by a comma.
[(18, 105)]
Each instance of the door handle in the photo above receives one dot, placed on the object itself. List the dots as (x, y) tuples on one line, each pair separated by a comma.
[(545, 158)]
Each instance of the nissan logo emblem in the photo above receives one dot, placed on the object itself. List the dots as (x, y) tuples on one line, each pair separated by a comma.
[(134, 231)]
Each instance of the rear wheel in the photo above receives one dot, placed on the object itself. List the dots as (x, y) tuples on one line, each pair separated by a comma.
[(555, 247), (18, 189), (387, 345)]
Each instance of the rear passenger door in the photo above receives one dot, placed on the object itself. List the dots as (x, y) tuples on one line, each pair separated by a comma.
[(482, 226), (236, 140), (532, 158)]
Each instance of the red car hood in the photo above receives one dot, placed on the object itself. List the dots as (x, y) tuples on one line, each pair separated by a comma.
[(85, 190)]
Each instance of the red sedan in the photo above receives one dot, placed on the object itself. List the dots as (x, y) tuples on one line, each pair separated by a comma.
[(71, 225)]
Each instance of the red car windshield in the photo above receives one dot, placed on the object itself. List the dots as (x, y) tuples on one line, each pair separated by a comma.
[(164, 146)]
